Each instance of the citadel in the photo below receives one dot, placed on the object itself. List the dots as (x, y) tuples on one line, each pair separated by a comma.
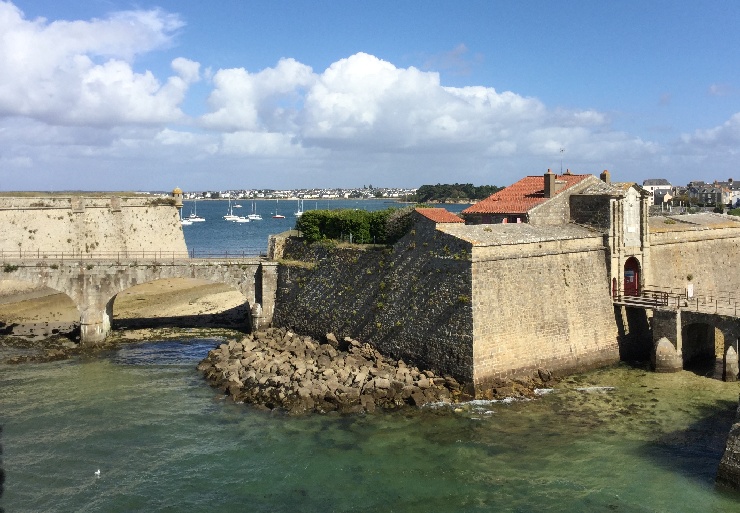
[(556, 273)]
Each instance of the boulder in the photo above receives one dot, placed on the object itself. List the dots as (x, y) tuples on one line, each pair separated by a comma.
[(331, 339), (278, 369)]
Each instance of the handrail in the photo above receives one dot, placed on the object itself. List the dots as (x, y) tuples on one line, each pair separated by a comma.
[(125, 255), (682, 291), (721, 304)]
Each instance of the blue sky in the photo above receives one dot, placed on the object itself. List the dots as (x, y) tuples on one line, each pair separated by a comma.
[(111, 94)]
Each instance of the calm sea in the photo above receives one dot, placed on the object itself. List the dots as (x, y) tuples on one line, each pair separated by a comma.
[(620, 439), (216, 235)]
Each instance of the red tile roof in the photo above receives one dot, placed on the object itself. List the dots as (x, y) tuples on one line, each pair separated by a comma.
[(439, 215), (522, 196)]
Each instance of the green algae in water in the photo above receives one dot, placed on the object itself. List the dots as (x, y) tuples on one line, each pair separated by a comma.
[(619, 439)]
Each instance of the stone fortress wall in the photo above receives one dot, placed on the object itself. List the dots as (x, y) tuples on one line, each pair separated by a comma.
[(448, 300), (89, 225), (703, 246), (411, 302), (62, 226), (542, 304)]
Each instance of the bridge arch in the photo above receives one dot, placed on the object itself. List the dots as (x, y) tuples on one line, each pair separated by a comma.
[(31, 309), (703, 344), (180, 302)]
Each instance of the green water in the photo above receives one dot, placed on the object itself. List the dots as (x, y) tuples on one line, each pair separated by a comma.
[(165, 441)]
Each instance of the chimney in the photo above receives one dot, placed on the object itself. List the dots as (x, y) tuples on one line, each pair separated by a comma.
[(567, 172), (549, 184), (605, 176)]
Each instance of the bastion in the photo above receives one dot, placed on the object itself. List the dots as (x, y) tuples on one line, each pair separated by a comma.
[(93, 226), (479, 303)]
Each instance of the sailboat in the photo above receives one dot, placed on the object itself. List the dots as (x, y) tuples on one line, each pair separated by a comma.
[(299, 212), (230, 216), (277, 215), (254, 216), (194, 217), (184, 221)]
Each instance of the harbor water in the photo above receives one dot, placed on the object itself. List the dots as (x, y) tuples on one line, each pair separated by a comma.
[(219, 236), (619, 439)]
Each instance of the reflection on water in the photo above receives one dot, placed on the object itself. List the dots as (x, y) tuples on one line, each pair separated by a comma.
[(620, 439)]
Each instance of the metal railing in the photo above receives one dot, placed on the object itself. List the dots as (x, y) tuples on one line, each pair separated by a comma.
[(652, 298), (716, 302), (119, 256)]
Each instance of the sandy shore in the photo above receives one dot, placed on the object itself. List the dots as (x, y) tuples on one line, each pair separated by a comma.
[(142, 312)]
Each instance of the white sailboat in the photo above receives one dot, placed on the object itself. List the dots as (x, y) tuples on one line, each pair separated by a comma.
[(185, 222), (254, 216), (230, 216), (194, 217), (299, 212), (277, 215)]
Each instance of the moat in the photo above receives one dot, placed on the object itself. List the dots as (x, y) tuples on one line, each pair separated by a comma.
[(619, 439)]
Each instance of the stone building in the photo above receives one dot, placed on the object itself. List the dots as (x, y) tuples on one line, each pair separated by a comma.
[(539, 200), (619, 211)]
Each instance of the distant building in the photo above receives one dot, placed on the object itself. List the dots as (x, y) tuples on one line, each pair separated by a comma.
[(658, 188), (710, 195), (734, 191)]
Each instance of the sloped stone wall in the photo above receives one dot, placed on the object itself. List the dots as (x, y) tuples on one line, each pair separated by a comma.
[(411, 301)]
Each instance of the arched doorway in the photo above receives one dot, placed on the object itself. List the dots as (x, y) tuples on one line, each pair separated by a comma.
[(632, 277)]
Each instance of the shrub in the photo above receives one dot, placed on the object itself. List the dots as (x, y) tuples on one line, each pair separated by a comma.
[(383, 226)]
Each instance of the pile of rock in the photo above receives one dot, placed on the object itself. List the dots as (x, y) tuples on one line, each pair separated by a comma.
[(280, 369)]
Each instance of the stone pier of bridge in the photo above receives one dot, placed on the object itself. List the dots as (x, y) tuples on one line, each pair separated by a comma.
[(681, 334), (94, 284)]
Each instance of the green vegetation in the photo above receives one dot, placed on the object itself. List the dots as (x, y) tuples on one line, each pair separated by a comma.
[(734, 212), (9, 268), (454, 192), (162, 201), (358, 226)]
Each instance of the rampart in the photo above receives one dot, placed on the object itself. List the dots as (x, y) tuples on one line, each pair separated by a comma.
[(540, 300), (89, 225), (478, 302), (703, 247)]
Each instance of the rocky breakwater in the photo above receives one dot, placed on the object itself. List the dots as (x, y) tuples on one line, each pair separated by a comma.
[(280, 369)]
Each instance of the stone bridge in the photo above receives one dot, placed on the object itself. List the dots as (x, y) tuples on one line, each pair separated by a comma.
[(697, 327), (93, 284)]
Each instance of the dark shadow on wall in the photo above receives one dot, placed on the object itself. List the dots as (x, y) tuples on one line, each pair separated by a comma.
[(635, 334), (40, 330), (236, 318)]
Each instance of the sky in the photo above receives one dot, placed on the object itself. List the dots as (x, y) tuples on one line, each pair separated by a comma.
[(287, 94)]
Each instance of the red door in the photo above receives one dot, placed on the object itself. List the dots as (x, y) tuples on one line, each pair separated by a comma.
[(632, 277)]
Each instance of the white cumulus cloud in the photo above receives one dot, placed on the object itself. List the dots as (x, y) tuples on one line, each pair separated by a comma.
[(79, 72)]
